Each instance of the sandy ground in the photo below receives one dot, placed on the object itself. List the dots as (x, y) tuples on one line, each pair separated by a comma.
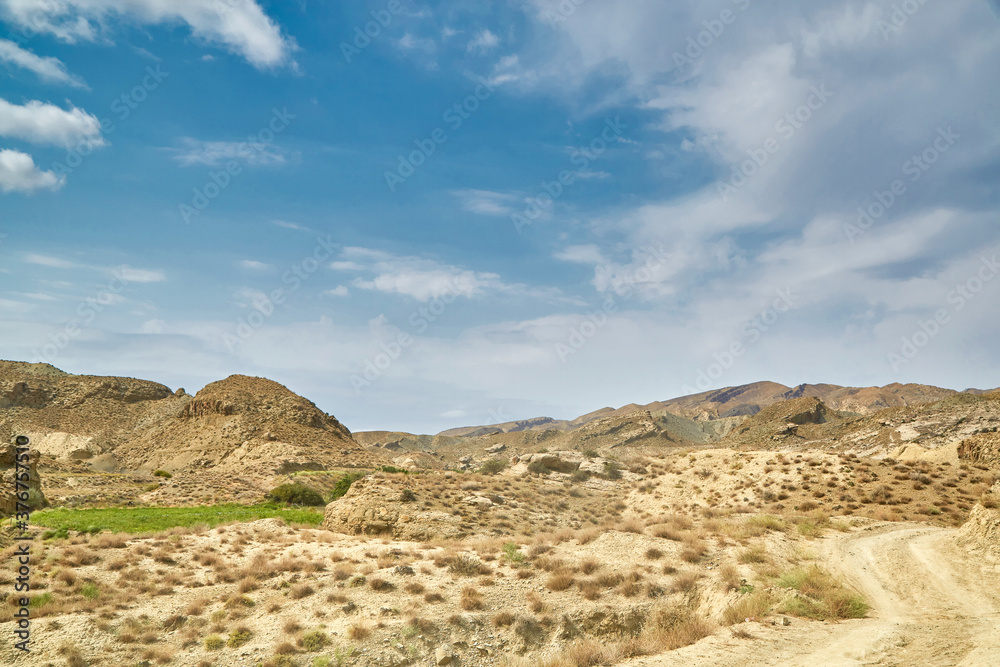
[(931, 606)]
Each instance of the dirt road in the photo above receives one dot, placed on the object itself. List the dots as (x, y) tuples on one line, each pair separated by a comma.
[(932, 606)]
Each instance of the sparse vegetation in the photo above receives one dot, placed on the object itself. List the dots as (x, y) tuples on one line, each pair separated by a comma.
[(296, 494)]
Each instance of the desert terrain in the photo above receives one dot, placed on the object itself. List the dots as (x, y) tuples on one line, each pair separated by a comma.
[(756, 525)]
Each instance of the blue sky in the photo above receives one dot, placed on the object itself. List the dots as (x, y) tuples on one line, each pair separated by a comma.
[(749, 191)]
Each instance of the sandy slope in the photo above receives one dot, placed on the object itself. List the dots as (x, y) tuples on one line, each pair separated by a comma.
[(931, 605)]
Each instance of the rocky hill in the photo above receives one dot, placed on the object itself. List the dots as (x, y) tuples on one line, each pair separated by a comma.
[(242, 424), (736, 402), (246, 430)]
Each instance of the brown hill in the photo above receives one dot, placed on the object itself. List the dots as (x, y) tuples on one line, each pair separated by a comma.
[(750, 399), (735, 402), (246, 424), (81, 416), (251, 428)]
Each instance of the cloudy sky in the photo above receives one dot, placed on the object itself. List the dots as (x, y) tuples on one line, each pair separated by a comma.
[(427, 215)]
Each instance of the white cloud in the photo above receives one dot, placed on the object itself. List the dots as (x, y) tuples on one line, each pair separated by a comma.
[(215, 153), (131, 275), (409, 42), (290, 225), (484, 41), (42, 123), (421, 279), (18, 173), (51, 262), (581, 254), (253, 265), (485, 202), (240, 26), (153, 327), (47, 68), (339, 290)]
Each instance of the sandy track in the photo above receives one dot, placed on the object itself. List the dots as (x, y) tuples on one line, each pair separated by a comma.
[(931, 605)]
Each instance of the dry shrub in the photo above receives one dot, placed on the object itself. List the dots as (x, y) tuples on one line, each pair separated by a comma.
[(503, 619), (729, 577), (685, 582), (471, 599), (380, 585), (589, 566), (560, 580), (755, 554), (359, 631), (633, 526), (300, 591), (756, 604), (675, 628), (590, 589)]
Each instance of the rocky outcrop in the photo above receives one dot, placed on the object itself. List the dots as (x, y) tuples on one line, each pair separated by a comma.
[(981, 533), (379, 506), (981, 448), (9, 472)]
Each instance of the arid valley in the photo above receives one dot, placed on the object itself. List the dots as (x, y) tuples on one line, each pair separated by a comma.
[(759, 525)]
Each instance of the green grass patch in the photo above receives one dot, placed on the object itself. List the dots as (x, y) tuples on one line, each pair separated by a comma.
[(90, 591), (156, 519), (38, 601), (820, 596)]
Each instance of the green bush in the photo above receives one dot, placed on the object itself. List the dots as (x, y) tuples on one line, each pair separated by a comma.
[(239, 637), (214, 643), (296, 494), (580, 476), (162, 473), (612, 470), (513, 552), (315, 640), (538, 468), (394, 469), (493, 467), (343, 484)]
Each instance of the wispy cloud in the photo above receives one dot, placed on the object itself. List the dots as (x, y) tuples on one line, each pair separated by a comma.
[(486, 202), (215, 153), (46, 68), (484, 41), (253, 265)]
